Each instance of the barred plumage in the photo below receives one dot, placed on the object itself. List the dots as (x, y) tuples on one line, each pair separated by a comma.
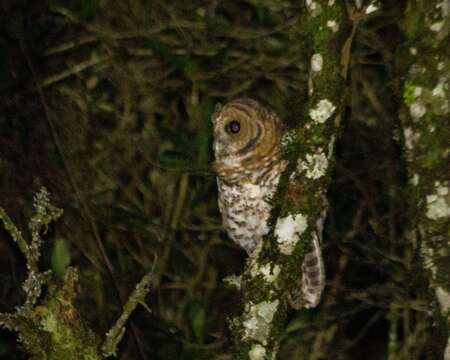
[(247, 138)]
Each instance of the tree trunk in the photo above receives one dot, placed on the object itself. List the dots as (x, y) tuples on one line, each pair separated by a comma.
[(299, 204), (424, 64)]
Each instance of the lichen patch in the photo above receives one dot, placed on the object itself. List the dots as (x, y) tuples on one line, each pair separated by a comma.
[(257, 352), (438, 202), (316, 62), (410, 138), (417, 110), (333, 25), (315, 165), (372, 8), (313, 7), (437, 26), (415, 180), (268, 271), (288, 230), (322, 111), (258, 320)]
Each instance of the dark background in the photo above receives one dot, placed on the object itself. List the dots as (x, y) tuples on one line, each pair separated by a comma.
[(128, 88)]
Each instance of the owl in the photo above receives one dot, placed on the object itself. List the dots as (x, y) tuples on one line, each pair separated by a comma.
[(247, 148)]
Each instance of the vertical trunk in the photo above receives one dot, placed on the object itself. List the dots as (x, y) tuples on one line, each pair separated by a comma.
[(299, 204), (425, 66)]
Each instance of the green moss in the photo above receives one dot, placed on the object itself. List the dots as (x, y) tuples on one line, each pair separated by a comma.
[(408, 93), (427, 158)]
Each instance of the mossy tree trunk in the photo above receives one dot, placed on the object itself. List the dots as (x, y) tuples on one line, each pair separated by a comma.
[(424, 64), (300, 200)]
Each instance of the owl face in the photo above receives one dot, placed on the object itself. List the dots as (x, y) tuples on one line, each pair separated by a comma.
[(244, 133)]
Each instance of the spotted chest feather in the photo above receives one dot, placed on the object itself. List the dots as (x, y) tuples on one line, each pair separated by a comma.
[(245, 207), (247, 145)]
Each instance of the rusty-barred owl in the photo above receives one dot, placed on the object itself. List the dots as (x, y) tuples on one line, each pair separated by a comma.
[(247, 139)]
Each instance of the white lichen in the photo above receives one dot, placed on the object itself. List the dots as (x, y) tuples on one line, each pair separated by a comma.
[(417, 110), (439, 90), (258, 320), (418, 90), (413, 51), (257, 352), (438, 202), (315, 165), (436, 207), (288, 230), (445, 8), (415, 180), (433, 99), (313, 7), (316, 62), (322, 111), (270, 272), (410, 138), (333, 25), (288, 138), (371, 8), (330, 2), (437, 26)]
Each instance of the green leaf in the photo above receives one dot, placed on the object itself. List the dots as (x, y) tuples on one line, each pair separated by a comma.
[(197, 315), (61, 257)]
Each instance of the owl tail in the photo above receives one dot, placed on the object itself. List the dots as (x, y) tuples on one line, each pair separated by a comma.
[(308, 292)]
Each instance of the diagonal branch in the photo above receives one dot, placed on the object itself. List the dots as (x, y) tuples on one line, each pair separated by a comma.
[(300, 201)]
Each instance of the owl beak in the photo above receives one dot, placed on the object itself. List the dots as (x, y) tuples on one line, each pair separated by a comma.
[(216, 148), (219, 149)]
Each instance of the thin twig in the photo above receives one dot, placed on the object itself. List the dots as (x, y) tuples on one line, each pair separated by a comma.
[(86, 213)]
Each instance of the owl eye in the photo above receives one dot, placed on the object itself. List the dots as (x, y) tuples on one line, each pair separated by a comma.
[(233, 127)]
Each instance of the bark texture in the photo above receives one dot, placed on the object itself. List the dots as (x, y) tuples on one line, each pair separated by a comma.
[(300, 201), (425, 67)]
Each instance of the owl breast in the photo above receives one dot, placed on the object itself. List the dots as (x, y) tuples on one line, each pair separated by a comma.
[(246, 205), (247, 147)]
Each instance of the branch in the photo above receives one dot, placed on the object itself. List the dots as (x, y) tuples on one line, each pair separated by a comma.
[(299, 203), (52, 327), (115, 334)]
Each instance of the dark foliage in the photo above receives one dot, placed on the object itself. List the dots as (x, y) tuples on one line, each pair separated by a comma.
[(128, 88)]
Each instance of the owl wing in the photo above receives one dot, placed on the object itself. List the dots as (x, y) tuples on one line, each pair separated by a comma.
[(313, 275), (307, 294)]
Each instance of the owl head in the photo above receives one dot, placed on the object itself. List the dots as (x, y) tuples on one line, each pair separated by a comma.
[(245, 134)]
